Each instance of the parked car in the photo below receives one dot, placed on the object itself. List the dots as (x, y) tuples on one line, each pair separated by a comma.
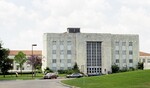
[(75, 75), (94, 74), (50, 76)]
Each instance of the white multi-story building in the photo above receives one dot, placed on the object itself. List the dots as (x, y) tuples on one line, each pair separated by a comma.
[(93, 52)]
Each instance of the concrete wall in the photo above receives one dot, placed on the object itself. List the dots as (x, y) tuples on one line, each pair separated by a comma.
[(78, 49)]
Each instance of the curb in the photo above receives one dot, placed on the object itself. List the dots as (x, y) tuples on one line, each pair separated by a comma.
[(68, 85)]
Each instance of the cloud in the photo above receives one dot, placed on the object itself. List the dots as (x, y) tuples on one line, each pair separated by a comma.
[(26, 21)]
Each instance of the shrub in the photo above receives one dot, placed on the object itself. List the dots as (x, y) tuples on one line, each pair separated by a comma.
[(47, 70), (115, 68), (140, 66), (65, 71)]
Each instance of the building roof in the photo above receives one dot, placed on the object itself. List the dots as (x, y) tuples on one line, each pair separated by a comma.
[(144, 54), (27, 52)]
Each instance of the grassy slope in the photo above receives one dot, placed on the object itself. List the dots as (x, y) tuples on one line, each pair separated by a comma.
[(134, 79)]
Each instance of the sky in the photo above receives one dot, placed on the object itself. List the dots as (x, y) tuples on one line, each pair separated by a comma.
[(23, 22)]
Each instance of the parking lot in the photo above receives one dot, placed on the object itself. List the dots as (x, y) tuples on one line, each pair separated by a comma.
[(48, 83)]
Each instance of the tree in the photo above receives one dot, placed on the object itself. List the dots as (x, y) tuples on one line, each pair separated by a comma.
[(75, 68), (115, 68), (47, 70), (35, 62), (20, 58), (5, 62), (140, 65)]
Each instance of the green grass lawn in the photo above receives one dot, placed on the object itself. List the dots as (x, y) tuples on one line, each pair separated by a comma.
[(133, 79), (21, 77)]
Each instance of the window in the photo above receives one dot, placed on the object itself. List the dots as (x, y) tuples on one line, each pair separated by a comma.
[(117, 52), (124, 52), (53, 51), (130, 60), (148, 60), (69, 68), (68, 51), (62, 61), (54, 43), (61, 51), (61, 68), (143, 61), (117, 43), (130, 52), (61, 42), (69, 61), (123, 43), (54, 68), (131, 68), (53, 60), (130, 44), (124, 60), (68, 42), (117, 60)]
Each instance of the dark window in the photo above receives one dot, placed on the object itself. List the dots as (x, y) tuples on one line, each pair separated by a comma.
[(130, 43), (117, 43), (68, 51), (53, 60), (123, 43), (130, 52), (117, 60), (54, 43), (53, 51), (117, 52), (130, 60)]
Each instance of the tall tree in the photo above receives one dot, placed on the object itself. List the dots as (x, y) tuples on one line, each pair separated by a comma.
[(36, 63), (76, 68), (5, 62), (20, 58)]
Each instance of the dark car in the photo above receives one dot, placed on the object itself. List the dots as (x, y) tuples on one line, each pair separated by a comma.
[(50, 76), (94, 74), (75, 75)]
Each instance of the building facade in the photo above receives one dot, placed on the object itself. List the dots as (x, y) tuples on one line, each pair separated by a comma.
[(145, 59), (94, 53), (26, 67)]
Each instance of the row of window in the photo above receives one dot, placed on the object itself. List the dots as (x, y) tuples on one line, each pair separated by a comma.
[(123, 43), (61, 42), (61, 68), (148, 61), (93, 70), (61, 61), (123, 52), (61, 52), (124, 61)]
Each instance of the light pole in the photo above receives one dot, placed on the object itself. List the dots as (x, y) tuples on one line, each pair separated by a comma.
[(33, 57)]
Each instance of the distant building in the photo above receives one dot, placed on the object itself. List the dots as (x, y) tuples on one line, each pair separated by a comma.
[(94, 53), (145, 58), (26, 67)]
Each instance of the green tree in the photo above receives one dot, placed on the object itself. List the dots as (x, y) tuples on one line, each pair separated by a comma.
[(115, 68), (20, 58), (76, 68), (140, 65), (5, 62), (47, 70)]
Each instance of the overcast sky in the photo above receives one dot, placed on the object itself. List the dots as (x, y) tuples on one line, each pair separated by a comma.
[(23, 22)]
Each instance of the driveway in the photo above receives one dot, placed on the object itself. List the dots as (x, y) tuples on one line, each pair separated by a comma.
[(48, 83)]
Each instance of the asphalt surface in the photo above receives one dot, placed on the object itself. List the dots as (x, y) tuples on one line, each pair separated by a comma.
[(48, 83)]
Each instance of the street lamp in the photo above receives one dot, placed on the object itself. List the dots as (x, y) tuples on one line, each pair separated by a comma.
[(32, 57)]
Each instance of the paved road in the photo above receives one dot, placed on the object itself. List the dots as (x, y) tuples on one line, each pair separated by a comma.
[(50, 83)]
